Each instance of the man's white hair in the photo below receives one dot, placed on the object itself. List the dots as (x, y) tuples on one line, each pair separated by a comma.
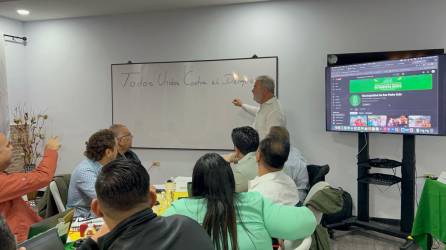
[(267, 82), (116, 128)]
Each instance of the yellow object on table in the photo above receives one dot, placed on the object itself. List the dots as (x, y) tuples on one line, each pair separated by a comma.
[(165, 200), (73, 236)]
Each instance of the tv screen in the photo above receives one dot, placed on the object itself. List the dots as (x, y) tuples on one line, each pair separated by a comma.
[(403, 96)]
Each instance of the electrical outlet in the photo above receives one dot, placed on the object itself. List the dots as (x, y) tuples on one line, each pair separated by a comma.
[(428, 175)]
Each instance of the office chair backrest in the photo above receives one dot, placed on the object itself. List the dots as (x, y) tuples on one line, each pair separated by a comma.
[(56, 195), (317, 173)]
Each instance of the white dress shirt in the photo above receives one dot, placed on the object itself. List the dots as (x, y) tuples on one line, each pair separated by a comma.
[(269, 114), (276, 186)]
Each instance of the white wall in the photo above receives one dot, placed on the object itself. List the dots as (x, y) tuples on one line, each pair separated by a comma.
[(15, 66), (68, 71)]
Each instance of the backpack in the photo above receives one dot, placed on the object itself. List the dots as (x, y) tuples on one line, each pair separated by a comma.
[(345, 213)]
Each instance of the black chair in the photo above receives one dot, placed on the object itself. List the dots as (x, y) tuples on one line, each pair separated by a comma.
[(317, 173)]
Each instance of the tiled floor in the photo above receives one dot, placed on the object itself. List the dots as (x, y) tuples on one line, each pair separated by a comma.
[(366, 240)]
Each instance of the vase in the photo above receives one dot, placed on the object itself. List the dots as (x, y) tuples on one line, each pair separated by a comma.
[(32, 195), (29, 168)]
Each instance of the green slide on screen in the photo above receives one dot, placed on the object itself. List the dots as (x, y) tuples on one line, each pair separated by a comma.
[(386, 84)]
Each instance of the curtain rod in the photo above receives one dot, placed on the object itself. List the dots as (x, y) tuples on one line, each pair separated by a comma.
[(16, 37)]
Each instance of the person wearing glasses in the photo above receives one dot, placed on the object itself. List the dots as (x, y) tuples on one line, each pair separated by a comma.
[(124, 140)]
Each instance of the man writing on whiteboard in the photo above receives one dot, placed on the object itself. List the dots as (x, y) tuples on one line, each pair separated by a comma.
[(270, 112)]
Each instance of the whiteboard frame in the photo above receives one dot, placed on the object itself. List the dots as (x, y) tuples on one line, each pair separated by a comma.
[(185, 61)]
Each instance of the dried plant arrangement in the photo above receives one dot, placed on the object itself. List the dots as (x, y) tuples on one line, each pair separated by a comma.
[(31, 134)]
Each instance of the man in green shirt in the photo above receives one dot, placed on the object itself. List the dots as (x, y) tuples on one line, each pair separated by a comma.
[(246, 142)]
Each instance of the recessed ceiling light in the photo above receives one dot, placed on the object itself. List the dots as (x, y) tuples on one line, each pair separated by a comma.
[(23, 12)]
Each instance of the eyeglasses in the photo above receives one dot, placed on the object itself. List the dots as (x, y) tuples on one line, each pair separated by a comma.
[(127, 135)]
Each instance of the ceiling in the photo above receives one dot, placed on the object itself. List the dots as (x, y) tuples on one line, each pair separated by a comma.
[(55, 9)]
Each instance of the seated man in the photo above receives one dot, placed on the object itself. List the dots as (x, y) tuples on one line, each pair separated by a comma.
[(100, 150), (272, 182), (124, 141), (296, 165), (124, 200), (246, 141), (18, 214)]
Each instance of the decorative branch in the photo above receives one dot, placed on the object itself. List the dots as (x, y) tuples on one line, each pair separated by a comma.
[(31, 133)]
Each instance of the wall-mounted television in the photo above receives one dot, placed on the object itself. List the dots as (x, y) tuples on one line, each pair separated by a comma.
[(405, 96)]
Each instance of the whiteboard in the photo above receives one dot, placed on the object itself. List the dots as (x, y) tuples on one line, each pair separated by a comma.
[(187, 104)]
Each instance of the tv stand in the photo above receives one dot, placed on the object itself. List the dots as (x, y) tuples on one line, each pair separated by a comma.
[(363, 220)]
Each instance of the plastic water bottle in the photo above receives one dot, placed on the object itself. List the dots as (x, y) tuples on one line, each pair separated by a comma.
[(170, 190)]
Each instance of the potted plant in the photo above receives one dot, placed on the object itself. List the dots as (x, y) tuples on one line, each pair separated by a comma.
[(29, 136)]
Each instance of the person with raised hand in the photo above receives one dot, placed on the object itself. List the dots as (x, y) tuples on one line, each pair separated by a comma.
[(18, 214)]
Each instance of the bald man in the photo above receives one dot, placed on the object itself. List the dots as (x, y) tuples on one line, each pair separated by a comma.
[(125, 140)]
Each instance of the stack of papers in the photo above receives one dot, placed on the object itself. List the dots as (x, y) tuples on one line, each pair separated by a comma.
[(181, 183)]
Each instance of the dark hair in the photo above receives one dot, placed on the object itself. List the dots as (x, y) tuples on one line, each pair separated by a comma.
[(246, 139), (213, 180), (274, 151), (122, 184), (6, 237), (98, 143), (279, 132)]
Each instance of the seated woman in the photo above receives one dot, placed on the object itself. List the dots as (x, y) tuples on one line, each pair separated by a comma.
[(238, 220), (100, 149)]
